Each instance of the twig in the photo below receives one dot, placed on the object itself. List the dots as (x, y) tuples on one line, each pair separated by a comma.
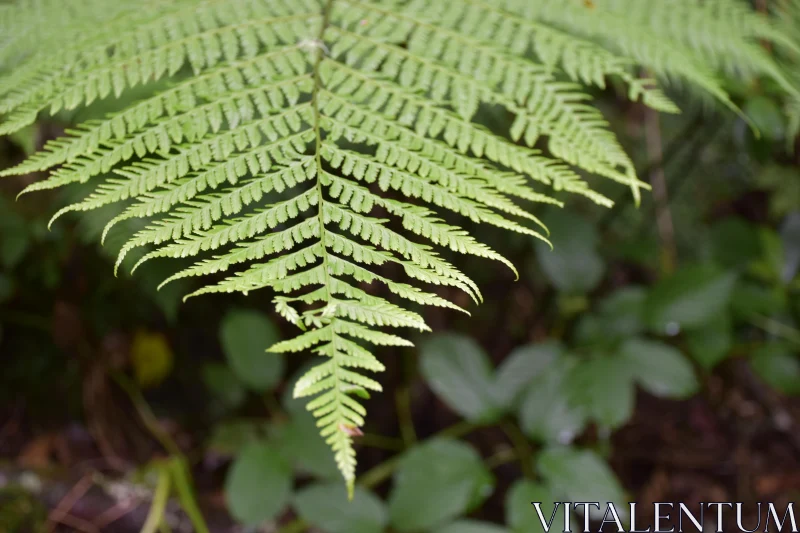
[(68, 501), (691, 131), (78, 523), (774, 327), (502, 457), (115, 512)]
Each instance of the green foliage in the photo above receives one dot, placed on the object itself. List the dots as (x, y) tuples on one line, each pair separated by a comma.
[(243, 335), (690, 298), (436, 482), (259, 484), (581, 476), (326, 507), (298, 137)]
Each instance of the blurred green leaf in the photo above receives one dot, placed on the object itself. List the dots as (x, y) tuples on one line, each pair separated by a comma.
[(258, 484), (151, 357), (546, 413), (749, 299), (521, 515), (299, 442), (779, 366), (618, 316), (603, 388), (573, 265), (770, 265), (25, 138), (225, 386), (460, 373), (15, 241), (6, 287), (710, 344), (784, 186), (790, 236), (326, 507), (435, 482), (519, 368), (689, 298), (581, 476), (659, 368), (288, 401), (471, 526), (231, 436), (735, 242), (623, 311), (766, 116), (245, 337)]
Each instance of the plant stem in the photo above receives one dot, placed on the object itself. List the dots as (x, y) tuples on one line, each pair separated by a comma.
[(404, 417), (524, 451)]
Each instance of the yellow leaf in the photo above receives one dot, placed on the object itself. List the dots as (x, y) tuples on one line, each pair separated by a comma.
[(151, 357)]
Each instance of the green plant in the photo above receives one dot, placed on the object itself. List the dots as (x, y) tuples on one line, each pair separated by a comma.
[(301, 136)]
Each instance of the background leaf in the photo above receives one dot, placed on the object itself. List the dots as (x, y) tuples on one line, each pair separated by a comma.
[(778, 366), (258, 484), (521, 514), (460, 373), (710, 344), (326, 507), (659, 368), (603, 388), (520, 367), (689, 298), (471, 526), (437, 481), (581, 476), (224, 385), (573, 265), (734, 242), (545, 412), (245, 337)]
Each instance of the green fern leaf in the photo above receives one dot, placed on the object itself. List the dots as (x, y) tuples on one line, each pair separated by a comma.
[(287, 142)]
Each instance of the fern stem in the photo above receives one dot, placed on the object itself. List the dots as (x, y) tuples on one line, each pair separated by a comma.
[(318, 139)]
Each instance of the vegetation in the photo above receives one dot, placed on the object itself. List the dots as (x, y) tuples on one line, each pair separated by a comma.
[(354, 159)]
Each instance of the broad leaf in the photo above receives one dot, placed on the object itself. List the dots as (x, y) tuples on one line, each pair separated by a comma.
[(245, 336), (735, 242), (327, 507), (659, 368), (573, 265), (581, 476), (521, 366), (778, 366), (619, 316), (750, 299), (710, 344), (688, 299), (298, 442), (436, 482), (460, 373), (545, 413), (224, 385), (471, 526), (258, 484), (603, 388), (790, 236), (232, 436), (521, 515)]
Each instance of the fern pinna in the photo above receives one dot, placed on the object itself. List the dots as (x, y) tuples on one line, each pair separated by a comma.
[(287, 128)]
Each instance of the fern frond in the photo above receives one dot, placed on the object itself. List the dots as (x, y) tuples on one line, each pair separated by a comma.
[(303, 145)]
